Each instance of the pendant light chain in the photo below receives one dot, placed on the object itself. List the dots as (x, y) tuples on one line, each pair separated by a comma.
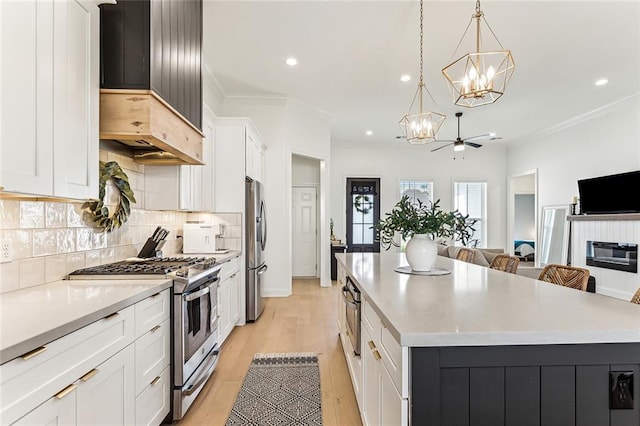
[(421, 62)]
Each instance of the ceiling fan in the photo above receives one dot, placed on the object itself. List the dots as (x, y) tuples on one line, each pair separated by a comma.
[(459, 144)]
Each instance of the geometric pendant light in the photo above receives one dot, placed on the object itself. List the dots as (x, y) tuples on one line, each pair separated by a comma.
[(420, 126), (479, 77)]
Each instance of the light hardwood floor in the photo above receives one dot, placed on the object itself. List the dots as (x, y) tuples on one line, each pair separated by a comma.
[(303, 322)]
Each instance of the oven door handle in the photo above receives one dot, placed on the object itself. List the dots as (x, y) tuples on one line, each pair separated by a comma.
[(213, 359), (197, 294), (348, 297)]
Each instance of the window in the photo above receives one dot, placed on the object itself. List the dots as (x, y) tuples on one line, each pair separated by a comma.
[(471, 198), (416, 190)]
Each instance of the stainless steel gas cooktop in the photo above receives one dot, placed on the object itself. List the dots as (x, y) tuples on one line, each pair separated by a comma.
[(151, 268)]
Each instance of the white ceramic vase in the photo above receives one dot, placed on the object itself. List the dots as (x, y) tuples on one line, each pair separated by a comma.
[(421, 252)]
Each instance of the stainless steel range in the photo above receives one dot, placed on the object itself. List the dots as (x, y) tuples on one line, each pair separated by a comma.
[(194, 313)]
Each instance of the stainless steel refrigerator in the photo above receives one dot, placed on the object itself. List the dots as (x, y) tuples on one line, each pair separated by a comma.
[(256, 235)]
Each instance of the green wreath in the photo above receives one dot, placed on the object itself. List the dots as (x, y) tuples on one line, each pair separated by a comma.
[(98, 211), (362, 204)]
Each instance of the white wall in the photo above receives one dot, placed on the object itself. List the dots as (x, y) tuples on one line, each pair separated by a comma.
[(305, 171), (309, 135), (602, 143), (399, 160)]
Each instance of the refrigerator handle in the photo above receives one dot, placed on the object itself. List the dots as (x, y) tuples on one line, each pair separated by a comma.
[(262, 270), (263, 225)]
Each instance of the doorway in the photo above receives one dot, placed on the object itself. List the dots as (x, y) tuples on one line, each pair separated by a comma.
[(306, 217), (523, 218), (363, 211), (305, 231)]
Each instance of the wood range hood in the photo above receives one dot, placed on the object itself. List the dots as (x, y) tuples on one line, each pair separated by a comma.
[(157, 133)]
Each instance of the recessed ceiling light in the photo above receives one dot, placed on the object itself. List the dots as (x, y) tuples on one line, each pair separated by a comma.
[(405, 77), (602, 82), (368, 132), (292, 62), (492, 134)]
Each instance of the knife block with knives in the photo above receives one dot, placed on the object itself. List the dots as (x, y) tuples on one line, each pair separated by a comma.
[(154, 243)]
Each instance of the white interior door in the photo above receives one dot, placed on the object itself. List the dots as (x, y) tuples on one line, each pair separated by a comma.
[(305, 236)]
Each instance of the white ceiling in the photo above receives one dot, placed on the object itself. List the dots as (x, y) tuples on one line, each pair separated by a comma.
[(352, 53)]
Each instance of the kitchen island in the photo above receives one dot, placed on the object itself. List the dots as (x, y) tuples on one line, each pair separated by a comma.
[(479, 346)]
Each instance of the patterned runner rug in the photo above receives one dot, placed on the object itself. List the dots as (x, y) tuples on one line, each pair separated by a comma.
[(280, 389)]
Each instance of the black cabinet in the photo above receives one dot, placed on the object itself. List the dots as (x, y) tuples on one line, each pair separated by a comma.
[(157, 45), (334, 263)]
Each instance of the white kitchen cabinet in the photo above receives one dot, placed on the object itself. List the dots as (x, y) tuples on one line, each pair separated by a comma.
[(57, 410), (254, 157), (228, 298), (49, 89), (234, 302), (92, 375), (371, 382), (153, 354), (106, 393), (188, 188), (382, 402), (152, 405), (152, 359), (237, 140)]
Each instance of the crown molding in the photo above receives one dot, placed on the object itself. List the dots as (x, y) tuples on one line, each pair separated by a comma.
[(579, 119)]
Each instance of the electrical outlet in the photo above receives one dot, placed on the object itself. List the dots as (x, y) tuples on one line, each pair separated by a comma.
[(621, 389), (6, 255)]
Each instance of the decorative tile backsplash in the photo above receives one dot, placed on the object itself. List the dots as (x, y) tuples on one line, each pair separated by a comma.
[(52, 239)]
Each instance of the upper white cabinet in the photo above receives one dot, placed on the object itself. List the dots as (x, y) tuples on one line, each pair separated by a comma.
[(254, 156), (188, 188), (49, 92), (239, 154)]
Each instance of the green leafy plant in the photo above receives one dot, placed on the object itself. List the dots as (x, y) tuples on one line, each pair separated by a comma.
[(408, 218)]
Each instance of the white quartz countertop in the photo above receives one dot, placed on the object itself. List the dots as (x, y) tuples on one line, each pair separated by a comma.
[(478, 306), (35, 316), (220, 257)]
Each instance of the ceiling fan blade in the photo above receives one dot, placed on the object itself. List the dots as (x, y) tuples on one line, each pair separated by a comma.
[(473, 144), (440, 147), (479, 137)]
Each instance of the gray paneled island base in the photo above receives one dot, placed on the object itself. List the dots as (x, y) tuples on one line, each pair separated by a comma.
[(480, 346)]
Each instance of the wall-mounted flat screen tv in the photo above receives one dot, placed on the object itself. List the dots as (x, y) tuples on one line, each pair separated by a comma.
[(610, 194)]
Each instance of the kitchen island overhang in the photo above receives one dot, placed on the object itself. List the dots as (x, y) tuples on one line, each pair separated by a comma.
[(499, 348)]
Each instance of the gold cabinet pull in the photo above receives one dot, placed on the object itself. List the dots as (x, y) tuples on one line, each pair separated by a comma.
[(376, 355), (155, 381), (156, 328), (31, 354), (66, 391), (89, 375), (113, 315), (372, 345)]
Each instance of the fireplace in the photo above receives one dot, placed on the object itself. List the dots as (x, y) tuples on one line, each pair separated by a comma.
[(617, 256)]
